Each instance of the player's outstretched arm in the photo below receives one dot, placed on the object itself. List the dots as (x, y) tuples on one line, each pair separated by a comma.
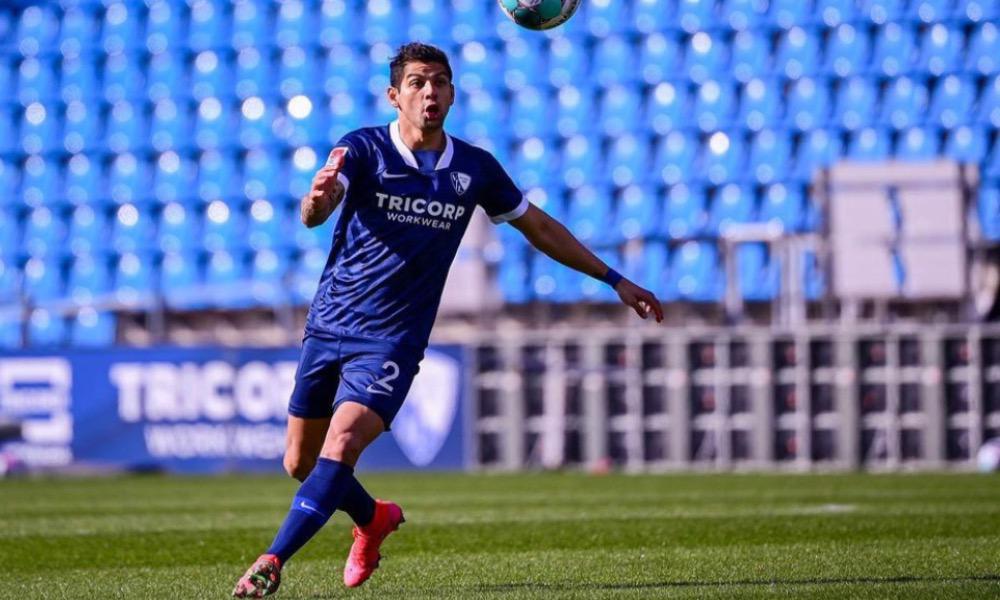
[(326, 192), (552, 238)]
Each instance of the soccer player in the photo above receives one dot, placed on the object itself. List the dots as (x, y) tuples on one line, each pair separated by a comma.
[(408, 190)]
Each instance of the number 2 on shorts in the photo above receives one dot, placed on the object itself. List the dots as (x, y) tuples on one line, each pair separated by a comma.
[(382, 386)]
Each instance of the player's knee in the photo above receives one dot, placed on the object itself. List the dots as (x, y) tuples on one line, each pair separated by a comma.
[(298, 466), (345, 446)]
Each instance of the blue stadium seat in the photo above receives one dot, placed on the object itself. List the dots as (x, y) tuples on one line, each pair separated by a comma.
[(620, 111), (723, 157), (732, 205), (346, 113), (134, 279), (212, 74), (43, 281), (759, 105), (382, 22), (171, 125), (166, 75), (469, 20), (165, 26), (525, 61), (267, 277), (929, 11), (129, 180), (904, 103), (580, 162), (789, 13), (338, 23), (744, 14), (952, 101), (82, 182), (88, 230), (917, 144), (756, 274), (124, 78), (705, 57), (89, 279), (429, 20), (666, 108), (257, 115), (817, 149), (846, 52), (223, 227), (44, 232), (966, 144), (637, 214), (132, 230), (856, 103), (39, 129), (36, 81), (39, 181), (613, 64), (122, 27), (92, 329), (574, 110), (797, 53), (783, 204), (298, 72), (895, 50), (770, 155), (345, 71), (178, 229), (659, 58), (529, 110), (714, 105), (832, 13), (983, 56), (869, 144), (265, 226), (989, 211), (674, 158), (79, 79), (989, 103), (881, 12), (685, 213), (695, 15), (37, 29), (534, 162), (605, 17), (807, 104), (751, 55), (10, 233), (227, 281), (976, 11), (548, 198), (567, 62), (650, 16), (253, 74), (208, 26), (549, 281), (627, 159), (482, 114), (218, 176), (294, 24), (512, 277), (252, 27), (46, 328), (78, 32), (174, 178), (181, 282), (262, 177), (694, 273), (306, 273), (940, 49), (589, 213), (214, 123), (127, 127), (81, 128)]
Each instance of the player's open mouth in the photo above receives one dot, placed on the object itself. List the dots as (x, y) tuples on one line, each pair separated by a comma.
[(432, 112)]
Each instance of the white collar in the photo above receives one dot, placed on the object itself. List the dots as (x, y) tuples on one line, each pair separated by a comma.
[(397, 140)]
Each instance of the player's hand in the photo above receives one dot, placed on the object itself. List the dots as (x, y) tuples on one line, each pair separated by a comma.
[(641, 300), (325, 185)]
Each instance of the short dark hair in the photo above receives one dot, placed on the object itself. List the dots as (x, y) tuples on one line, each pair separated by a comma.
[(415, 52)]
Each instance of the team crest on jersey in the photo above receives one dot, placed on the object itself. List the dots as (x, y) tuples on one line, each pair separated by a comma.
[(460, 181)]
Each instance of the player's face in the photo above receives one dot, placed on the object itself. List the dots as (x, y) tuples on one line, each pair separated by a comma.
[(424, 96)]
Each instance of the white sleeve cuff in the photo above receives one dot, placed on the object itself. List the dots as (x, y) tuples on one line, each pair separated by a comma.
[(510, 216), (344, 181)]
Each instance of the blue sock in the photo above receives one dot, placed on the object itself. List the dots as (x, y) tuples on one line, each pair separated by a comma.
[(313, 505), (358, 503)]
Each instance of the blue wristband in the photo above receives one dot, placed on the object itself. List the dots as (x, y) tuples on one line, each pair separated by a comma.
[(612, 277)]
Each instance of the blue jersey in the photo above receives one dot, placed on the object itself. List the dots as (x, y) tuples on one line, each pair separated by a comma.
[(399, 231)]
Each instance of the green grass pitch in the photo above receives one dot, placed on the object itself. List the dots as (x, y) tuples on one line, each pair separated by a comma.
[(519, 536)]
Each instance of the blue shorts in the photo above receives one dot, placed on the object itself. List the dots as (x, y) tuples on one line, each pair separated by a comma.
[(377, 374)]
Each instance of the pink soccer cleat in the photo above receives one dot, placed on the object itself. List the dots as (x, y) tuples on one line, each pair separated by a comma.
[(364, 556), (261, 579)]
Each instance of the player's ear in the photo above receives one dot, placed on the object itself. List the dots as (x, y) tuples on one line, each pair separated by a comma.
[(393, 95)]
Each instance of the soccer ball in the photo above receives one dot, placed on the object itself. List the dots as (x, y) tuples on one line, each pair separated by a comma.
[(539, 14)]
